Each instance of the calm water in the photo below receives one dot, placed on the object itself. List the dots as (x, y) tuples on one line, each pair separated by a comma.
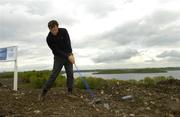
[(136, 76)]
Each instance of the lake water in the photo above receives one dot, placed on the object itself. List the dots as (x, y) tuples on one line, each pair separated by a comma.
[(136, 76)]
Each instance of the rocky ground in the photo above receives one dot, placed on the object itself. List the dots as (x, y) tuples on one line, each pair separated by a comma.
[(162, 100)]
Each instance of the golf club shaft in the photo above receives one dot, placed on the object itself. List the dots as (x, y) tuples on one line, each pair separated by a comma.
[(85, 82)]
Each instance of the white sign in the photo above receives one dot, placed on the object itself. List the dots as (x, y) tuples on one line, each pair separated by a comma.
[(8, 54)]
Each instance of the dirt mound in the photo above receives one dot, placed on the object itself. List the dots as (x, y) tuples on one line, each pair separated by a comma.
[(157, 101)]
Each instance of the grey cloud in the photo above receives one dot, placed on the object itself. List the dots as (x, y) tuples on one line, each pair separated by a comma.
[(97, 8), (37, 7), (170, 54), (162, 17), (28, 30), (153, 30), (100, 9), (148, 31), (17, 24), (151, 60), (115, 55)]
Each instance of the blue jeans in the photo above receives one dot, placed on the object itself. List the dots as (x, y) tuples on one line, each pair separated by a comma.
[(59, 62)]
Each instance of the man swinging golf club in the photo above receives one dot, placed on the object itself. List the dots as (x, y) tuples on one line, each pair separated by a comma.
[(59, 42)]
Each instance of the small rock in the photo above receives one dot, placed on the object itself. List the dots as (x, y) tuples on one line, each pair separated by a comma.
[(175, 99), (152, 102), (171, 115), (37, 111), (97, 109), (128, 89), (132, 115), (110, 95), (127, 97), (148, 108), (102, 91), (117, 111), (55, 113), (15, 94), (140, 109), (145, 103), (118, 83), (106, 105), (81, 96), (29, 109)]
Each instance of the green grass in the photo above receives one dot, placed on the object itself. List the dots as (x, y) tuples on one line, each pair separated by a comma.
[(36, 79), (7, 75), (121, 71), (153, 81), (94, 83)]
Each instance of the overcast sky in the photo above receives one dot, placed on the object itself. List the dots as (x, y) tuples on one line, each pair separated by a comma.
[(104, 33)]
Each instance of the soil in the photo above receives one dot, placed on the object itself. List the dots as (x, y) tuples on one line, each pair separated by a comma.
[(161, 100)]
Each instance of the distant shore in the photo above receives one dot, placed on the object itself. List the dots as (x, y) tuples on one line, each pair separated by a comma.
[(104, 71)]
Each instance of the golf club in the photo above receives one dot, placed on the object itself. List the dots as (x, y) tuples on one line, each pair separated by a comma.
[(95, 100)]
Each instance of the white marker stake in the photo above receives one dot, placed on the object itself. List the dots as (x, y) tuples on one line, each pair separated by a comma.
[(15, 86), (15, 75)]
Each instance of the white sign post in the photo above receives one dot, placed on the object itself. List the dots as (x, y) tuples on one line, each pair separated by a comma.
[(10, 54)]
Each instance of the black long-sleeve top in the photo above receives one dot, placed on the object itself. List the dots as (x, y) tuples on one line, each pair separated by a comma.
[(60, 44)]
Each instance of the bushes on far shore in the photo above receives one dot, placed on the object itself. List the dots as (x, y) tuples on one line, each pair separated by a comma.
[(36, 79)]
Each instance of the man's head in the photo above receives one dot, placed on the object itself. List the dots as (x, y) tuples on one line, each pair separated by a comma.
[(53, 27)]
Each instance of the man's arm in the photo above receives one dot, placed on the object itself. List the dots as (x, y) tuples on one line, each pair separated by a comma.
[(68, 42), (69, 48), (55, 49)]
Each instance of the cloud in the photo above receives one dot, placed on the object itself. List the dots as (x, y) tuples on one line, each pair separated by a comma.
[(156, 30), (18, 22), (97, 8), (38, 7), (24, 23), (170, 54), (115, 56)]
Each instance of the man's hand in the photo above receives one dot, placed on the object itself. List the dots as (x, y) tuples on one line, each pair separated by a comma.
[(71, 58)]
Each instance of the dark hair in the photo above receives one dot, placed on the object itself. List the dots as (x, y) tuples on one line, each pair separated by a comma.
[(52, 23)]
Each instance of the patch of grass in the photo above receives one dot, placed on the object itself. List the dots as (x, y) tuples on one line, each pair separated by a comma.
[(60, 81), (36, 79), (153, 81), (7, 75), (94, 83), (121, 71), (37, 82)]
